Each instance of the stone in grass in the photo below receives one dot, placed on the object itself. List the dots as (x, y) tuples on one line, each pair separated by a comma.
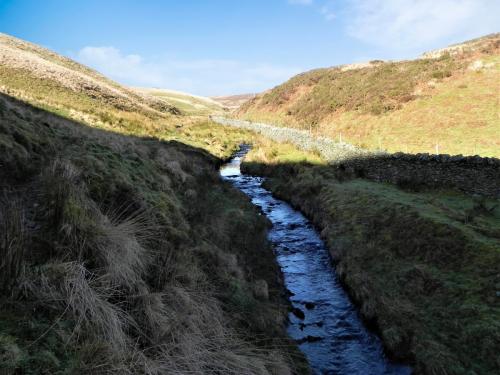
[(261, 290)]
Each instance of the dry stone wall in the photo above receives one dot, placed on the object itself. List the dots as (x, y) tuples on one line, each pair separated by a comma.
[(471, 175), (328, 148)]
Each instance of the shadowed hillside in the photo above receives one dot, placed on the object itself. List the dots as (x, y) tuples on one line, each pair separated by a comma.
[(121, 250), (124, 254), (446, 102)]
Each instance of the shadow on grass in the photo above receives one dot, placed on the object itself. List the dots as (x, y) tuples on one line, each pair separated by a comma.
[(135, 255)]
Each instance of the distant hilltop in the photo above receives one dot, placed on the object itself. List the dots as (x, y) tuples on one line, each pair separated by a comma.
[(233, 101)]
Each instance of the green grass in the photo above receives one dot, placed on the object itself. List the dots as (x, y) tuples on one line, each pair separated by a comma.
[(169, 254), (18, 350), (423, 266)]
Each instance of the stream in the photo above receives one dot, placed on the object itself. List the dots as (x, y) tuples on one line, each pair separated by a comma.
[(324, 322)]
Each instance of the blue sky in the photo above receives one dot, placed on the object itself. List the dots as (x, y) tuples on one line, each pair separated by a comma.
[(221, 47)]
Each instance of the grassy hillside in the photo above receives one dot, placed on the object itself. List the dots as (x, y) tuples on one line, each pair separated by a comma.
[(423, 265), (61, 86), (35, 73), (188, 104), (121, 250), (446, 102)]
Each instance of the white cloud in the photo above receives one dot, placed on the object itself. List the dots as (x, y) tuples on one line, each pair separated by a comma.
[(328, 12), (204, 76), (111, 61), (409, 24), (301, 2)]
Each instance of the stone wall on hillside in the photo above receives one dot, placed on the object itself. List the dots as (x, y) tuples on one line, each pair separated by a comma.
[(469, 174), (329, 149)]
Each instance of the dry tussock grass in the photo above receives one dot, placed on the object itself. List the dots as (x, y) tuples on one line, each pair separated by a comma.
[(117, 224), (12, 240), (118, 281), (120, 243)]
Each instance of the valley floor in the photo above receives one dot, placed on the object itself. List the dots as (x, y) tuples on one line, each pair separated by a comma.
[(122, 251), (138, 251)]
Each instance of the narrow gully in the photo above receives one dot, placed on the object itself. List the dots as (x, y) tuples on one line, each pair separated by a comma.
[(324, 322)]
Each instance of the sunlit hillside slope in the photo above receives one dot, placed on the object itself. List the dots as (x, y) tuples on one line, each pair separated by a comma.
[(62, 86), (445, 102), (188, 103), (233, 101)]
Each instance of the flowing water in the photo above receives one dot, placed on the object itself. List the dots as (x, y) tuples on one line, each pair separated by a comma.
[(324, 321)]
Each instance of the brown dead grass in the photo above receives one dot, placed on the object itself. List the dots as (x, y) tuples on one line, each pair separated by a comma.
[(137, 260)]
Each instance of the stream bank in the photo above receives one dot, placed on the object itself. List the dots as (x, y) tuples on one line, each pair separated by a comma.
[(323, 321), (423, 266)]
